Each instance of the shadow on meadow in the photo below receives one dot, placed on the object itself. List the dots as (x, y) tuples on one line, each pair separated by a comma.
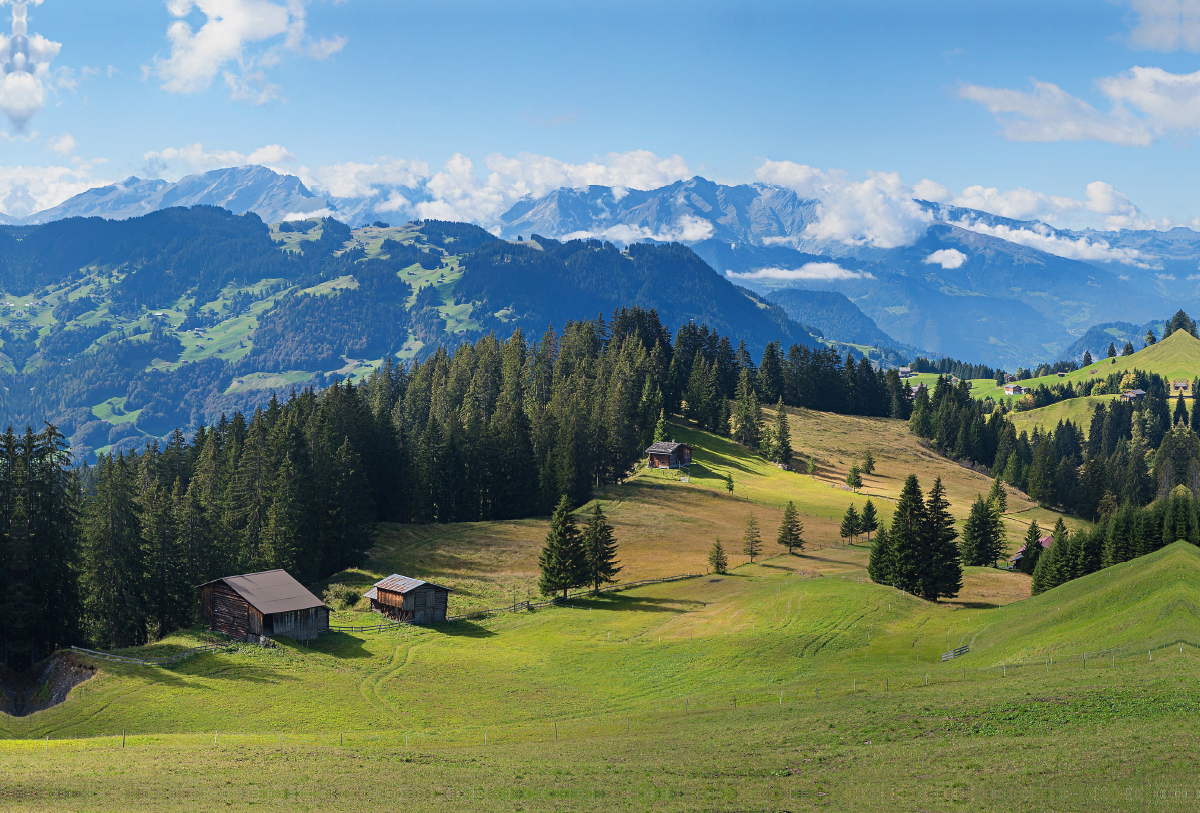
[(463, 629)]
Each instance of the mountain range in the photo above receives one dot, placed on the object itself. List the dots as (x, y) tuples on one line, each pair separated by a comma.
[(972, 285)]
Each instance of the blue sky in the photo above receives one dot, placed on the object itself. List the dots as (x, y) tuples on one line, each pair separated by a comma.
[(1015, 107)]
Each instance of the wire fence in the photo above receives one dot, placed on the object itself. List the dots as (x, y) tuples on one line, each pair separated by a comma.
[(516, 606)]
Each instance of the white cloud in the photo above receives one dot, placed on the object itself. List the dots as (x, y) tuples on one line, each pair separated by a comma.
[(1166, 25), (24, 67), (355, 180), (25, 190), (1167, 101), (688, 229), (1164, 276), (807, 272), (175, 162), (459, 194), (1045, 239), (1048, 113), (948, 258), (932, 191), (231, 43), (65, 145), (1103, 205), (879, 211), (316, 213)]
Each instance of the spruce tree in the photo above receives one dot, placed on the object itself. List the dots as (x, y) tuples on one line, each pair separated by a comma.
[(791, 529), (562, 559), (998, 495), (752, 539), (1181, 411), (717, 559), (869, 521), (854, 478), (661, 429), (114, 568), (747, 414), (1112, 350), (880, 565), (1033, 549), (868, 463), (850, 524), (943, 575), (600, 550), (781, 437), (1087, 357), (910, 555)]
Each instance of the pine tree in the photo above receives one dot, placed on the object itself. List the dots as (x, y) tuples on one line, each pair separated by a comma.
[(1112, 350), (717, 559), (752, 539), (114, 570), (562, 559), (1087, 357), (1128, 349), (600, 550), (791, 529), (880, 565), (910, 555), (850, 524), (1150, 338), (854, 478), (747, 414), (1181, 411), (943, 576), (868, 463), (781, 441), (998, 496), (869, 521), (981, 534), (1033, 549), (661, 429)]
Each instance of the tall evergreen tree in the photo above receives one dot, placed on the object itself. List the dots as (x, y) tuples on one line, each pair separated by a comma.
[(747, 414), (910, 554), (880, 565), (791, 529), (752, 539), (1032, 550), (717, 559), (562, 560), (869, 522), (600, 550), (943, 574), (781, 441), (114, 568), (850, 524)]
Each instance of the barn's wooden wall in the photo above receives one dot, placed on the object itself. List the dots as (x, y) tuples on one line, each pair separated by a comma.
[(301, 625), (230, 612), (425, 605)]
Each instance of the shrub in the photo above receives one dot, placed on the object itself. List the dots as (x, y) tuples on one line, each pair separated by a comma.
[(341, 596)]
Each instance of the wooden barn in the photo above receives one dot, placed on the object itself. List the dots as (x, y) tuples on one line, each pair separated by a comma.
[(668, 455), (408, 599), (260, 604)]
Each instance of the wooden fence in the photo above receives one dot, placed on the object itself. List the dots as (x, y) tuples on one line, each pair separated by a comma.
[(380, 626), (167, 661), (954, 653)]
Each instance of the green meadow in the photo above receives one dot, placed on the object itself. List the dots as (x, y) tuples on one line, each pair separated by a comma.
[(792, 683)]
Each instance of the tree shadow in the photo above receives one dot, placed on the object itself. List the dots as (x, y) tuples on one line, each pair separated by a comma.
[(647, 604), (463, 629), (335, 644)]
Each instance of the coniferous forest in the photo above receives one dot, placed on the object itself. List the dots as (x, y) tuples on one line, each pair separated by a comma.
[(110, 553)]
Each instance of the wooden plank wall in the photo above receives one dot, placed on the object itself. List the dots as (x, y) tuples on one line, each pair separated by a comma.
[(230, 612)]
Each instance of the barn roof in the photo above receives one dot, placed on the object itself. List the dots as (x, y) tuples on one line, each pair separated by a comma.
[(271, 591), (665, 447), (396, 583)]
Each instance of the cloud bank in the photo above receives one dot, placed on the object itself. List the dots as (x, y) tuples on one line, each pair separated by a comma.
[(821, 272), (24, 67), (947, 258), (241, 40)]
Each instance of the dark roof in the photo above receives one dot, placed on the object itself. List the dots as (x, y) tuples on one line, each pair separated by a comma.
[(665, 447), (271, 591), (396, 583)]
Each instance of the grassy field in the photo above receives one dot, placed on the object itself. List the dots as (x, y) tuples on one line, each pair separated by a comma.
[(791, 683)]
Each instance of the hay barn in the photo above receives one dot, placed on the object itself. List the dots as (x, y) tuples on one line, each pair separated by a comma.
[(408, 599), (256, 605)]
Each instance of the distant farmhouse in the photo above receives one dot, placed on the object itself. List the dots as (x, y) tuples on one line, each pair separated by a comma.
[(406, 599), (1015, 389), (1133, 395), (1046, 541), (668, 455), (255, 605)]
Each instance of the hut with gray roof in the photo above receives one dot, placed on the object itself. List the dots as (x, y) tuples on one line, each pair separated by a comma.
[(255, 605), (408, 599)]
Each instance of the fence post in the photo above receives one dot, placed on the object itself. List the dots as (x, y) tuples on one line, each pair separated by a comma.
[(123, 738)]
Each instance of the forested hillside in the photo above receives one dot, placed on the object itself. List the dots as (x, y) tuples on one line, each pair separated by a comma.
[(493, 430), (119, 331)]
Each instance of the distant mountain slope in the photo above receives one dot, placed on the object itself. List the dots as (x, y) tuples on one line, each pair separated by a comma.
[(581, 278), (1098, 337), (836, 316), (120, 330), (242, 189)]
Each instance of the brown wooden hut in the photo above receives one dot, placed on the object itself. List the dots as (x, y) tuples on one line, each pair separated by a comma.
[(408, 599), (255, 605), (668, 455)]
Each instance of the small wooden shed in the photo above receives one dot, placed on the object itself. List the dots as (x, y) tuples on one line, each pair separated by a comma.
[(408, 599), (668, 455), (254, 605)]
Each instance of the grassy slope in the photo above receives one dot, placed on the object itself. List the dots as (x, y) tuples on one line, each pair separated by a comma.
[(1177, 356)]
